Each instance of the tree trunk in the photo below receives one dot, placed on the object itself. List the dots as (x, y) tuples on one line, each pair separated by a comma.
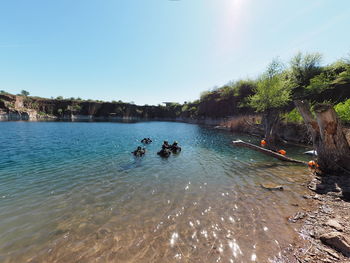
[(333, 150), (271, 120), (311, 124)]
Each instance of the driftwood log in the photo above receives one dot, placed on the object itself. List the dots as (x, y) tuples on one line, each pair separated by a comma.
[(268, 152)]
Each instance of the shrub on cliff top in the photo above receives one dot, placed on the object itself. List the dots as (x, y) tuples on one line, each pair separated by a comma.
[(330, 75), (205, 95), (343, 110), (245, 88), (25, 93), (76, 107)]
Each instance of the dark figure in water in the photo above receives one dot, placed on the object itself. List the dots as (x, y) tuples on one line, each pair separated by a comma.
[(139, 151), (166, 145), (175, 148), (146, 140), (165, 151)]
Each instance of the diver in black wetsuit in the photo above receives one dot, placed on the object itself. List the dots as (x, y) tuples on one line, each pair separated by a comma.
[(165, 145), (175, 148), (165, 151), (146, 140), (139, 151)]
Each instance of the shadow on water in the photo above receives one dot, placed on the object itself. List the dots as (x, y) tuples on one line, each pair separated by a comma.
[(137, 162)]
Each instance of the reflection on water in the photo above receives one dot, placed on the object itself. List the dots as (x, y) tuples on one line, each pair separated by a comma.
[(72, 192)]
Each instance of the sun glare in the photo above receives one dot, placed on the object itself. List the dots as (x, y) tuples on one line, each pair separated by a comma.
[(232, 27)]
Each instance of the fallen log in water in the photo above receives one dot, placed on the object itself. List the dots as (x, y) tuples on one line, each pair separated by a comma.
[(273, 154)]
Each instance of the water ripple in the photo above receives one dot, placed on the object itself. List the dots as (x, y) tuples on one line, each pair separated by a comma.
[(72, 192)]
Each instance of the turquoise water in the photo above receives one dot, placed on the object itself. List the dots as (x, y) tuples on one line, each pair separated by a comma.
[(72, 192)]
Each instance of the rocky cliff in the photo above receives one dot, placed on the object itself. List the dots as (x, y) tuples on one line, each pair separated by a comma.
[(14, 107)]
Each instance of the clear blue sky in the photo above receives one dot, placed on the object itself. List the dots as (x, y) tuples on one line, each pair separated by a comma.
[(150, 51)]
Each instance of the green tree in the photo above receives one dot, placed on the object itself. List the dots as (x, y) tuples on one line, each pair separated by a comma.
[(270, 95), (24, 93), (303, 67), (270, 91)]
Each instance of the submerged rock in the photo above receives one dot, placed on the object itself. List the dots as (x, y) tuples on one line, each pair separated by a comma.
[(296, 217), (338, 241), (271, 186), (102, 233)]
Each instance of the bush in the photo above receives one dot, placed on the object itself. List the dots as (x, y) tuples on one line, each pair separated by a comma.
[(227, 92), (293, 116), (34, 105), (205, 95), (10, 105), (76, 107), (320, 83), (329, 76), (344, 77), (24, 93), (244, 88), (343, 110)]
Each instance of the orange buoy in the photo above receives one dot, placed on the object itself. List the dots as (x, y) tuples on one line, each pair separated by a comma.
[(263, 142), (312, 164), (283, 152)]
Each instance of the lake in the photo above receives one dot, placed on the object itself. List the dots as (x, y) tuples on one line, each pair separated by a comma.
[(73, 192)]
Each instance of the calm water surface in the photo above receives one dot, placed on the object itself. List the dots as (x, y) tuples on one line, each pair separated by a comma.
[(72, 192)]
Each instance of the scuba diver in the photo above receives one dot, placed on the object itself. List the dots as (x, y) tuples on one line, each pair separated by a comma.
[(165, 151), (175, 148), (165, 145), (139, 151), (146, 140)]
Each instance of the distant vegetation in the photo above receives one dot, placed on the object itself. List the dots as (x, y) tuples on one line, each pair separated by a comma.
[(302, 78), (272, 93), (25, 93)]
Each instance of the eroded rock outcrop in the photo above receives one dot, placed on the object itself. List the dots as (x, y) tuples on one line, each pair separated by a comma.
[(338, 241)]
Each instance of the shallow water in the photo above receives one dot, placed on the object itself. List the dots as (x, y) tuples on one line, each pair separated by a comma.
[(72, 192)]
